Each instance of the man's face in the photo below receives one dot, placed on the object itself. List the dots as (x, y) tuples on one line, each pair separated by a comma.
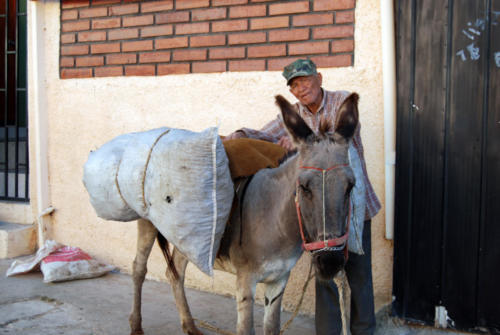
[(307, 89)]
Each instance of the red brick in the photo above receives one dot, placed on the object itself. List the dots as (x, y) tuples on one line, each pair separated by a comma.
[(344, 17), (226, 53), (164, 69), (289, 8), (192, 28), (70, 50), (206, 67), (183, 55), (156, 30), (174, 17), (308, 48), (76, 26), (155, 57), (343, 46), (247, 11), (121, 59), (247, 65), (234, 25), (104, 48), (228, 2), (333, 61), (123, 34), (269, 22), (69, 15), (74, 3), (184, 4), (76, 73), (89, 61), (140, 70), (261, 0), (320, 5), (267, 51), (156, 6), (169, 43), (210, 40), (247, 38), (93, 12), (68, 38), (124, 9), (208, 14), (141, 20), (333, 32), (312, 19), (289, 35), (137, 46), (278, 64), (108, 71), (67, 62), (113, 22), (104, 2), (92, 36)]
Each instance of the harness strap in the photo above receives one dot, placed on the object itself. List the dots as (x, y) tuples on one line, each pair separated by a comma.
[(240, 191)]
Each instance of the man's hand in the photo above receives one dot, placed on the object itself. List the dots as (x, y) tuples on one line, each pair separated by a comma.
[(286, 143), (235, 135)]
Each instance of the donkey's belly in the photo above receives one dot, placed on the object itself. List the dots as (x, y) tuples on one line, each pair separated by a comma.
[(223, 264)]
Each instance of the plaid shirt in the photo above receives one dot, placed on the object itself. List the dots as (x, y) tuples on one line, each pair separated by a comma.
[(332, 101)]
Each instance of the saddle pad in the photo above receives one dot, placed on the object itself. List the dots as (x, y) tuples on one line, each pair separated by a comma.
[(247, 156)]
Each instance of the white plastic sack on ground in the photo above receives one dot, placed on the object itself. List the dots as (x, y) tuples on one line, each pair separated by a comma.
[(358, 204), (70, 263), (27, 265), (178, 179), (59, 263)]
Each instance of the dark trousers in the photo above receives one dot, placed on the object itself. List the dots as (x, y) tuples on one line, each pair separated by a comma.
[(359, 274)]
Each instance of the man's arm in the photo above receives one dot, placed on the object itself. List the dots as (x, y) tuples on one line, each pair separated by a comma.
[(273, 131)]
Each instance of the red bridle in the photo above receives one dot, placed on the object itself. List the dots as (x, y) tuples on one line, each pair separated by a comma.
[(335, 242)]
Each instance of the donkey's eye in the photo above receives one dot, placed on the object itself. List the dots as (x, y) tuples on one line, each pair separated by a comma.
[(306, 190), (349, 188)]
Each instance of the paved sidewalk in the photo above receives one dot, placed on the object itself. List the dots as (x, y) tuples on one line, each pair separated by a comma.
[(101, 306)]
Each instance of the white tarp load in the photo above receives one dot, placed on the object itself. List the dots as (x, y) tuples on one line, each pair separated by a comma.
[(358, 204), (177, 179)]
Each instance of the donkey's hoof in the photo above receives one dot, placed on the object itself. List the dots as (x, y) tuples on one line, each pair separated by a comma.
[(137, 332)]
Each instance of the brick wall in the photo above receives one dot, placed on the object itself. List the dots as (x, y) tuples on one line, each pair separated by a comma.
[(101, 38)]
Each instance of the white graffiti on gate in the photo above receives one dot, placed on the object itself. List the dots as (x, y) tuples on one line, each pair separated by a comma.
[(473, 32)]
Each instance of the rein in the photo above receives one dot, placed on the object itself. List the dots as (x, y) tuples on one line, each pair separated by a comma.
[(339, 243)]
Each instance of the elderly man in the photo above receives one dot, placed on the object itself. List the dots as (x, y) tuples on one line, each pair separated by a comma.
[(314, 104)]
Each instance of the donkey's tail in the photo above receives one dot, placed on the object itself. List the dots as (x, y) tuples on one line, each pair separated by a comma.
[(164, 246)]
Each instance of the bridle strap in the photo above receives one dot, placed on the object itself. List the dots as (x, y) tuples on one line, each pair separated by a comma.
[(318, 245)]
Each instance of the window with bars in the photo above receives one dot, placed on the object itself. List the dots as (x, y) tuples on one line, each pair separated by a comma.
[(13, 101)]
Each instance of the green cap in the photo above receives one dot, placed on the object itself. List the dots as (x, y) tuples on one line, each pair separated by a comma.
[(299, 68)]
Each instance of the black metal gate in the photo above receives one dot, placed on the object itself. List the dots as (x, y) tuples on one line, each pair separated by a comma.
[(447, 232), (13, 101)]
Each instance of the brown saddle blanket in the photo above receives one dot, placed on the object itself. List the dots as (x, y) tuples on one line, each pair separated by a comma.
[(247, 156)]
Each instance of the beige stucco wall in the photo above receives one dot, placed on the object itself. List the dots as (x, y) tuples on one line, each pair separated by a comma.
[(82, 114)]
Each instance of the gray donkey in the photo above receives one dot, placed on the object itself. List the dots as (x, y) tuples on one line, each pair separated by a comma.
[(302, 204)]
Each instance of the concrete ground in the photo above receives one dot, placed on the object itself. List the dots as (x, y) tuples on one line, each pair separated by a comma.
[(101, 306)]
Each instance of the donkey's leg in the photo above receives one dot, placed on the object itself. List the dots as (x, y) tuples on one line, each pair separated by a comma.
[(272, 311), (245, 294), (177, 282), (145, 238)]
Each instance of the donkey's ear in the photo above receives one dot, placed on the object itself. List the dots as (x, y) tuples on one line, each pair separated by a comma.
[(347, 116), (296, 126)]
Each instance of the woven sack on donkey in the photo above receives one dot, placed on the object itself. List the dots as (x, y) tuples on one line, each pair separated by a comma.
[(177, 179)]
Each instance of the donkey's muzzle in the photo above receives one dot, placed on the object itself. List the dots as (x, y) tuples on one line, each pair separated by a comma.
[(328, 263)]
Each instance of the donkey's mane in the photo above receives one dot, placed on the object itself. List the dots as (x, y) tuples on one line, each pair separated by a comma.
[(287, 156)]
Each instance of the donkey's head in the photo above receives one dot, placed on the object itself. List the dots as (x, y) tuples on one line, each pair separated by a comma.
[(324, 183)]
